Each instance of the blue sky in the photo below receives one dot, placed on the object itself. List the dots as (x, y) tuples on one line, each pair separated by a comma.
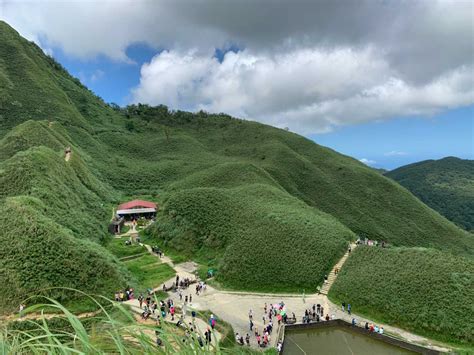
[(400, 141), (383, 144)]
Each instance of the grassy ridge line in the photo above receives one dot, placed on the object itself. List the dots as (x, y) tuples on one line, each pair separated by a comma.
[(422, 290)]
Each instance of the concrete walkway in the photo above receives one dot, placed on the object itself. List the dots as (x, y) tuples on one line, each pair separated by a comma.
[(334, 272)]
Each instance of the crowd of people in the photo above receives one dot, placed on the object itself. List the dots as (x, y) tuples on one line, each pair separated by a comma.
[(124, 295), (370, 242), (315, 314), (272, 314)]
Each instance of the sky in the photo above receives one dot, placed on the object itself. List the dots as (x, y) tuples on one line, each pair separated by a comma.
[(387, 82)]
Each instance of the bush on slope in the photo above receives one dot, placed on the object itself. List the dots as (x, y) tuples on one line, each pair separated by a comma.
[(422, 290), (266, 239), (38, 253)]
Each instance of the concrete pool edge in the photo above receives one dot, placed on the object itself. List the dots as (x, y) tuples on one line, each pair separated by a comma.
[(341, 323)]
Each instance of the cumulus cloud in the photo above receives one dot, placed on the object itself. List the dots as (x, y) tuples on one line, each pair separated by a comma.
[(309, 90), (308, 65), (368, 161)]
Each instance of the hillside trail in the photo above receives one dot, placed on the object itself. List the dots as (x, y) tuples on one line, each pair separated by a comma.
[(67, 156), (335, 270)]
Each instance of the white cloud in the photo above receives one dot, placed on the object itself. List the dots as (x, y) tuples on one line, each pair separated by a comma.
[(307, 90), (395, 153), (368, 161), (307, 65)]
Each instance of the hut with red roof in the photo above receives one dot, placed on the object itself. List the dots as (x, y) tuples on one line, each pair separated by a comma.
[(136, 209)]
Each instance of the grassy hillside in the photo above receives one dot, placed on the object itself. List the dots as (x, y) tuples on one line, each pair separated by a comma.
[(264, 235), (38, 253), (269, 209), (446, 185), (422, 290)]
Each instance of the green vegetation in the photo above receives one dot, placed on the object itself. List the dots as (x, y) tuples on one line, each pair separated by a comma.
[(120, 250), (38, 254), (446, 185), (266, 208), (149, 272), (422, 290)]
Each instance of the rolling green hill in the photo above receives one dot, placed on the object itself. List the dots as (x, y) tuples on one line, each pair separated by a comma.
[(269, 209), (423, 290), (446, 185)]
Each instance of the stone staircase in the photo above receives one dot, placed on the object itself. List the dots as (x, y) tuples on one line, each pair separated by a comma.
[(332, 275)]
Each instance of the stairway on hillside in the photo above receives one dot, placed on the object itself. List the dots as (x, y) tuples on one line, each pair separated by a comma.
[(332, 275)]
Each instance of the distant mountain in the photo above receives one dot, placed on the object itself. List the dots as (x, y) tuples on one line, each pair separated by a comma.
[(446, 185)]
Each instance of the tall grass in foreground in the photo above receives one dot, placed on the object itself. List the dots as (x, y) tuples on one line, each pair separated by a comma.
[(113, 330)]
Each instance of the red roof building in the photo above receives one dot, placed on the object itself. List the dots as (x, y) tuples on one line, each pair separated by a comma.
[(137, 208), (136, 204)]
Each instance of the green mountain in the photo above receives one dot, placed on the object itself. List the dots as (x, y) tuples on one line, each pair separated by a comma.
[(446, 185), (268, 209)]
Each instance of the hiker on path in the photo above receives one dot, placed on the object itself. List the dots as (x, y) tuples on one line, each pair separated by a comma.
[(343, 306), (212, 322), (349, 308), (21, 309)]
